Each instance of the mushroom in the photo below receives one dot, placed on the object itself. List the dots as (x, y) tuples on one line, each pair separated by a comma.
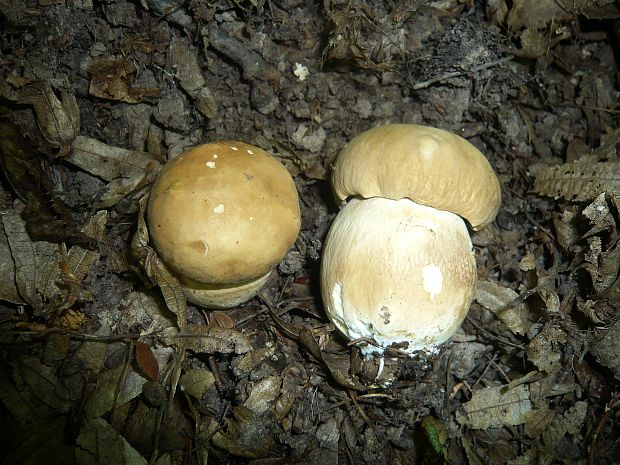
[(398, 268), (221, 216)]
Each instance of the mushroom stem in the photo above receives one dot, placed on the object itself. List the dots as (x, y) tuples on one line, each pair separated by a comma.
[(397, 272), (222, 295)]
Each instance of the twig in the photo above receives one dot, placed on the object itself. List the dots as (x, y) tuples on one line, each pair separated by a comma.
[(453, 74), (608, 408), (499, 338)]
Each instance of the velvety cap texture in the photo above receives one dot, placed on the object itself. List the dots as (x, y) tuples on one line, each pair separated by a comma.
[(427, 165), (223, 213)]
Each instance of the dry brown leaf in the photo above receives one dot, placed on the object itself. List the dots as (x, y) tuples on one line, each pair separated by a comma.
[(571, 423), (112, 79), (182, 58), (245, 365), (39, 276), (196, 382), (536, 14), (492, 408), (156, 271), (504, 303), (606, 348), (114, 388), (8, 285), (545, 349), (125, 170), (58, 120), (98, 442), (262, 394), (208, 339), (146, 360), (247, 435), (580, 181)]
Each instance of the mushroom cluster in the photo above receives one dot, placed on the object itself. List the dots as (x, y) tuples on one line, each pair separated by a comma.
[(398, 268), (221, 216)]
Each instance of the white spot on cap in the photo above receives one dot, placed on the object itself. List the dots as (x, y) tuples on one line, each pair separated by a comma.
[(432, 280), (219, 209), (210, 164), (250, 152), (251, 218), (233, 147), (428, 146), (215, 155)]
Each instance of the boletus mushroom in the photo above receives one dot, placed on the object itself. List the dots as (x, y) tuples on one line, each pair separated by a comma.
[(398, 268), (221, 216)]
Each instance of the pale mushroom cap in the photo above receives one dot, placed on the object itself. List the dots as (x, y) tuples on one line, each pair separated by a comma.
[(396, 271), (222, 213), (427, 165)]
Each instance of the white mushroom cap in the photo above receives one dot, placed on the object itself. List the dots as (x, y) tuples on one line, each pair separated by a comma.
[(221, 216), (427, 165), (396, 271)]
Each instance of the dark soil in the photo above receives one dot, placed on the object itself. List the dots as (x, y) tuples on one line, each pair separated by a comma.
[(93, 370)]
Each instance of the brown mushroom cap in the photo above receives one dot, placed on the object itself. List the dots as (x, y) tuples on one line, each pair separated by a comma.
[(223, 213), (427, 165), (397, 272)]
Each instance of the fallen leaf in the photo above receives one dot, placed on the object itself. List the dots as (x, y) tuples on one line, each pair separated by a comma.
[(490, 408), (208, 339), (112, 79), (98, 442), (125, 170), (146, 360)]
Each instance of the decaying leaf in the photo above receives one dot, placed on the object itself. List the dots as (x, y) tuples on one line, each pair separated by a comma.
[(339, 365), (243, 366), (184, 60), (147, 310), (41, 268), (8, 285), (262, 394), (208, 339), (294, 382), (580, 181), (504, 303), (125, 170), (606, 348), (146, 360), (540, 23), (112, 79), (247, 435), (566, 230), (58, 120), (585, 178), (535, 14), (42, 383), (196, 382), (114, 388), (545, 349), (47, 217), (491, 407), (568, 423), (155, 269), (98, 442)]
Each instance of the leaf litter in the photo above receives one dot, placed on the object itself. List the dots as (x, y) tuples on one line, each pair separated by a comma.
[(98, 340)]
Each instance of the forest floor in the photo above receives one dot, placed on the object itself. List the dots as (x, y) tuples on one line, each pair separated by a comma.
[(95, 96)]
